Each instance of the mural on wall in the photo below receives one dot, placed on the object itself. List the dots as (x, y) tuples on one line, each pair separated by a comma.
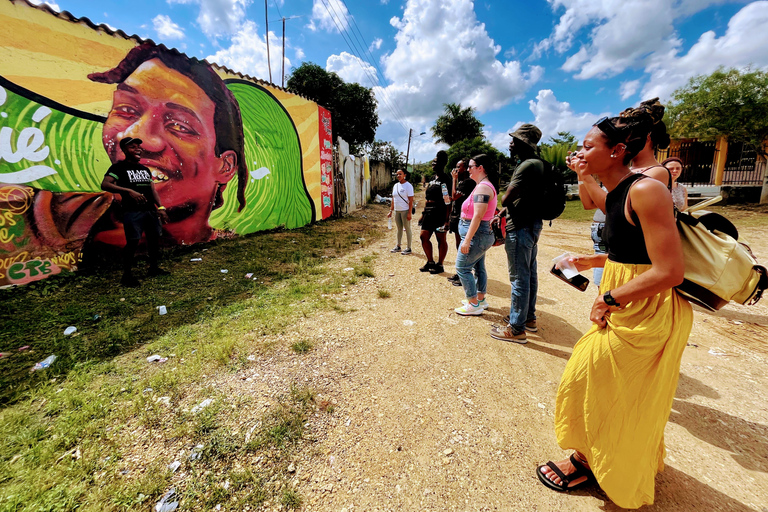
[(225, 154)]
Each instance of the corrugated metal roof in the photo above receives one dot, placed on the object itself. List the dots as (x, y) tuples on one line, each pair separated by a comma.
[(66, 15)]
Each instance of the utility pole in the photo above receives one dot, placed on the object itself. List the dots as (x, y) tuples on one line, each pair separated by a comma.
[(408, 151), (282, 73), (266, 17)]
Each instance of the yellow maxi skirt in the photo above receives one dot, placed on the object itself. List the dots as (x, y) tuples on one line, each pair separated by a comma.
[(617, 390)]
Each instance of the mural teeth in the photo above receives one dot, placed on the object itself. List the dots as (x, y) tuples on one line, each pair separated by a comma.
[(158, 176)]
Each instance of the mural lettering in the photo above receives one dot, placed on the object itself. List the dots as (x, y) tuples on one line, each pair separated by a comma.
[(30, 271)]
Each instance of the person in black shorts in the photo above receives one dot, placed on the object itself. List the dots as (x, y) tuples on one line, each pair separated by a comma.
[(434, 218), (461, 189), (142, 211)]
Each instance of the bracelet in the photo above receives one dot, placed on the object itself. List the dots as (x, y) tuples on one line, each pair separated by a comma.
[(581, 183), (161, 208)]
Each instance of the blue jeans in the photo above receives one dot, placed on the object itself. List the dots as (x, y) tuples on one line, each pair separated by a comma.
[(521, 247), (599, 245), (475, 258)]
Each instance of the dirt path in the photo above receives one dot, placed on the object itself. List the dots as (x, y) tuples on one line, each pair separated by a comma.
[(431, 413)]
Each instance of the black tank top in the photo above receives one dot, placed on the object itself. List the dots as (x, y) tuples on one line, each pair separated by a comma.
[(625, 242)]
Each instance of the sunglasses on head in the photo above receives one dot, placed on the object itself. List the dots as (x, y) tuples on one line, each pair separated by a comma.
[(610, 131)]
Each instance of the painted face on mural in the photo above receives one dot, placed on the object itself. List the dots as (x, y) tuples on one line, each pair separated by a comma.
[(174, 118)]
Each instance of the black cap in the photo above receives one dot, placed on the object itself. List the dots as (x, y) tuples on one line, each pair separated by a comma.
[(129, 140)]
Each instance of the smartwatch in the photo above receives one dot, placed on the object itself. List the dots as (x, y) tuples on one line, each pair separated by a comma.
[(608, 299)]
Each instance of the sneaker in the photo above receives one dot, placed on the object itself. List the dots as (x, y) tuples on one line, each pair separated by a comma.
[(396, 249), (437, 269), (154, 272), (469, 310), (482, 303), (508, 333), (427, 266), (406, 252), (129, 281), (530, 325), (454, 278)]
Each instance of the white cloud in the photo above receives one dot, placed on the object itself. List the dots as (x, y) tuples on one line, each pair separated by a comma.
[(52, 5), (329, 15), (615, 35), (248, 53), (352, 69), (742, 45), (218, 17), (552, 116), (376, 44), (443, 54), (167, 29), (629, 88)]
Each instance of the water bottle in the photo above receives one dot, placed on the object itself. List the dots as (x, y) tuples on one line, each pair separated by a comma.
[(389, 223)]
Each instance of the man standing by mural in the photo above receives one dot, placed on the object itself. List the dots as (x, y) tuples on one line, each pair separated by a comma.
[(142, 209), (192, 134)]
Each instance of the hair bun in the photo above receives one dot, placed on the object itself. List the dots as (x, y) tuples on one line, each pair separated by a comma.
[(650, 108)]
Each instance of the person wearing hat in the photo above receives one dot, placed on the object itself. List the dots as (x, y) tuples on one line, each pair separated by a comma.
[(142, 210), (523, 229)]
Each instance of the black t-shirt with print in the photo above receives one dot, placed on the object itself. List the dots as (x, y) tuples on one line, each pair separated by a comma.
[(134, 176)]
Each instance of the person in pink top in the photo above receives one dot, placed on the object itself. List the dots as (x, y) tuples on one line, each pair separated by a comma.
[(476, 238)]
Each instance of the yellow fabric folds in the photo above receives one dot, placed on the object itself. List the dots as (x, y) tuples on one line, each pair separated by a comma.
[(617, 389)]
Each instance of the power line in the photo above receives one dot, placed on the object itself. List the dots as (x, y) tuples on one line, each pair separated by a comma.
[(352, 47), (365, 46)]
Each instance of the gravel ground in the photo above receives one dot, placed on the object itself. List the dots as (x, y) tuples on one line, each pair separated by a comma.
[(428, 412)]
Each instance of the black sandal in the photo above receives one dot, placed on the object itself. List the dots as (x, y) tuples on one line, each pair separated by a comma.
[(581, 470)]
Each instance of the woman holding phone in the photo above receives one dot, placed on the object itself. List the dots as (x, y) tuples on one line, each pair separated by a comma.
[(616, 392)]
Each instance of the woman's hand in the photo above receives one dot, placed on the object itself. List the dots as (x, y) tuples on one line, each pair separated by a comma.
[(599, 311), (410, 215), (580, 262), (464, 247), (389, 214)]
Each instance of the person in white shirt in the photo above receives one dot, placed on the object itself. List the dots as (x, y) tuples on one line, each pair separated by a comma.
[(402, 206)]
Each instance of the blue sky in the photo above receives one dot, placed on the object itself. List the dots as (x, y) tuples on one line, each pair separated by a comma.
[(560, 64)]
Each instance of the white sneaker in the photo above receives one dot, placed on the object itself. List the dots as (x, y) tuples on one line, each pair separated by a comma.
[(470, 310), (482, 303)]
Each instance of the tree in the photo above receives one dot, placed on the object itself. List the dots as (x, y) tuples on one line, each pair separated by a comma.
[(456, 124), (555, 155), (728, 103), (562, 138), (385, 151), (471, 147), (353, 107)]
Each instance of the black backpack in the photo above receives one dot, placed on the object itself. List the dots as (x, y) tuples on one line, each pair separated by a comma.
[(552, 201)]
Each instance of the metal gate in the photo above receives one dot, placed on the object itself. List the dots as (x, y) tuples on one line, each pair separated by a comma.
[(698, 161), (742, 167)]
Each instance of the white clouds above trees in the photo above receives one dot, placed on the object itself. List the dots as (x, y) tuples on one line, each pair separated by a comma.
[(352, 69), (443, 55), (248, 53)]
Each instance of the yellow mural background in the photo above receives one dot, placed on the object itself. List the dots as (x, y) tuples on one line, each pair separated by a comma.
[(51, 55)]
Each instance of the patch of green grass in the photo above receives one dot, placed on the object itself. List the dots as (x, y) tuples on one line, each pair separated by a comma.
[(384, 294), (574, 210), (291, 499), (364, 271), (68, 434), (301, 347)]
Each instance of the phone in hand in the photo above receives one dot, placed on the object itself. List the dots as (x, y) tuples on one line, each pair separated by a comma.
[(578, 281)]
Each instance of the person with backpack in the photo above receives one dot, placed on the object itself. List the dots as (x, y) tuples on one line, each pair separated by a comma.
[(522, 206)]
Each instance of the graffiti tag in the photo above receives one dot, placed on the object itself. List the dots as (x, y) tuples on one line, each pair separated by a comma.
[(30, 271)]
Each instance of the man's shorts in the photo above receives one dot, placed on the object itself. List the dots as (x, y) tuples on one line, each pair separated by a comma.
[(136, 223)]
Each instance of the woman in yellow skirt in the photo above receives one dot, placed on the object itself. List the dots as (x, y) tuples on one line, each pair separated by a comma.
[(617, 389)]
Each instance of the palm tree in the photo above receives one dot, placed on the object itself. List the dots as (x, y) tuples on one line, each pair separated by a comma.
[(456, 124)]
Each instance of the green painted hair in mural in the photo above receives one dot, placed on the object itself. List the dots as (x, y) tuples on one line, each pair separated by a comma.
[(276, 194)]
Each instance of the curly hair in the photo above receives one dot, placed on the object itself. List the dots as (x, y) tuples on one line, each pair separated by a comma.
[(227, 120), (634, 124)]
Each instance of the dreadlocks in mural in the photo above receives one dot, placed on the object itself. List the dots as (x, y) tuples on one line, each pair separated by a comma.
[(225, 157)]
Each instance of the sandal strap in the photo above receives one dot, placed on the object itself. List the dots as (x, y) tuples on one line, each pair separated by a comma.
[(556, 470), (581, 469)]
